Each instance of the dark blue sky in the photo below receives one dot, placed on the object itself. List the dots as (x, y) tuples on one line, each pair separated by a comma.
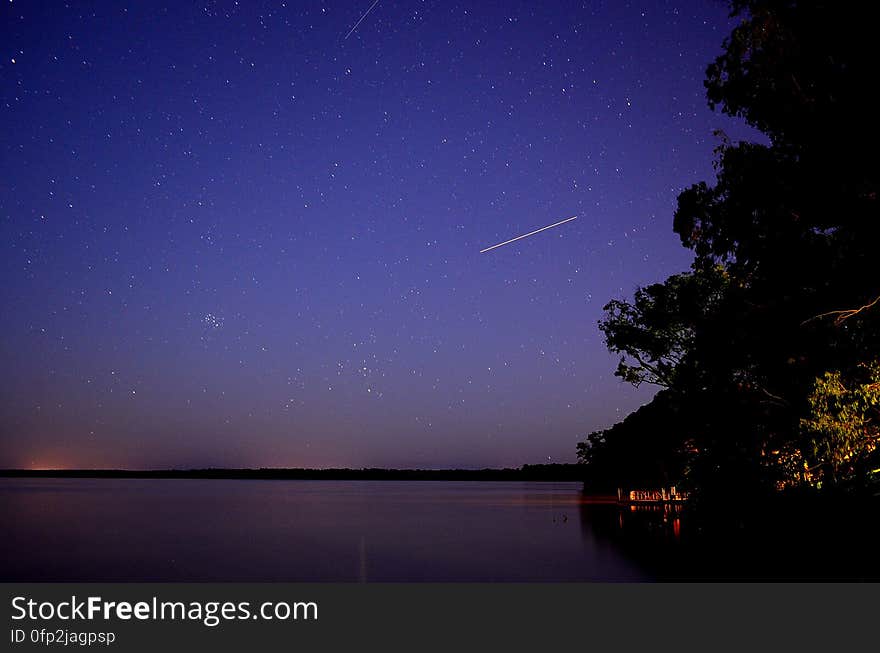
[(233, 237)]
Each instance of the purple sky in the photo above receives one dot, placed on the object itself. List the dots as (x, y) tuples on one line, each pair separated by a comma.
[(233, 237)]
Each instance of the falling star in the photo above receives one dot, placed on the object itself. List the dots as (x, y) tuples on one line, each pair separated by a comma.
[(531, 233), (361, 20)]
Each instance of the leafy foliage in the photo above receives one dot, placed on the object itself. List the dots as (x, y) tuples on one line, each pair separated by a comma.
[(656, 330), (644, 450), (842, 428), (767, 339)]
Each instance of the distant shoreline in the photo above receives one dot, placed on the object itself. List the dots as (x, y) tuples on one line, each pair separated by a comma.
[(557, 472)]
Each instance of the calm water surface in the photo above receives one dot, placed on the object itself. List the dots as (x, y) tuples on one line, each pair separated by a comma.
[(257, 530)]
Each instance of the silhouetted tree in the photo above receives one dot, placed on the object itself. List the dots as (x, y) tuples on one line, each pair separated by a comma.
[(784, 289)]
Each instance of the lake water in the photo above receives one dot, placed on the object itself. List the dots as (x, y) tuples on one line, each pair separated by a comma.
[(257, 530)]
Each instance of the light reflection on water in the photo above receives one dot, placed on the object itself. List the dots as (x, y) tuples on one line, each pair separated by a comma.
[(255, 530)]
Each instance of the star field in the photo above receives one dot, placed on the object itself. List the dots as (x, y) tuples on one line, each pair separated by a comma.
[(232, 236)]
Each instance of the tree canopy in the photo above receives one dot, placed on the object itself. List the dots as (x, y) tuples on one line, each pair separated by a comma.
[(764, 344)]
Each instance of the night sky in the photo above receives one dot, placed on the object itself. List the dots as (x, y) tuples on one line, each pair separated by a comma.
[(232, 236)]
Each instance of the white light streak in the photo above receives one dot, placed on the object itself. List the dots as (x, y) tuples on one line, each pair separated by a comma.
[(361, 20), (531, 233)]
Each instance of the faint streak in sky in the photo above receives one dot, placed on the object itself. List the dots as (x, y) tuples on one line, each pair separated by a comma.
[(361, 19), (531, 233)]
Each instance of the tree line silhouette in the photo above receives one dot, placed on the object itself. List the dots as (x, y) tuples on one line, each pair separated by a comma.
[(767, 350)]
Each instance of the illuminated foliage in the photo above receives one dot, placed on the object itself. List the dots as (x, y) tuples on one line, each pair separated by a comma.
[(784, 283), (843, 426)]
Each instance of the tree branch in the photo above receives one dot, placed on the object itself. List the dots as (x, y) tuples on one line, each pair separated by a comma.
[(662, 381), (845, 314), (776, 398)]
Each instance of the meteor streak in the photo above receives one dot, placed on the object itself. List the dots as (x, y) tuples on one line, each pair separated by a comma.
[(361, 20), (531, 233)]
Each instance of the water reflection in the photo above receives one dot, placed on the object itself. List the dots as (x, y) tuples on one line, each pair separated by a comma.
[(649, 534), (781, 539), (199, 530)]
